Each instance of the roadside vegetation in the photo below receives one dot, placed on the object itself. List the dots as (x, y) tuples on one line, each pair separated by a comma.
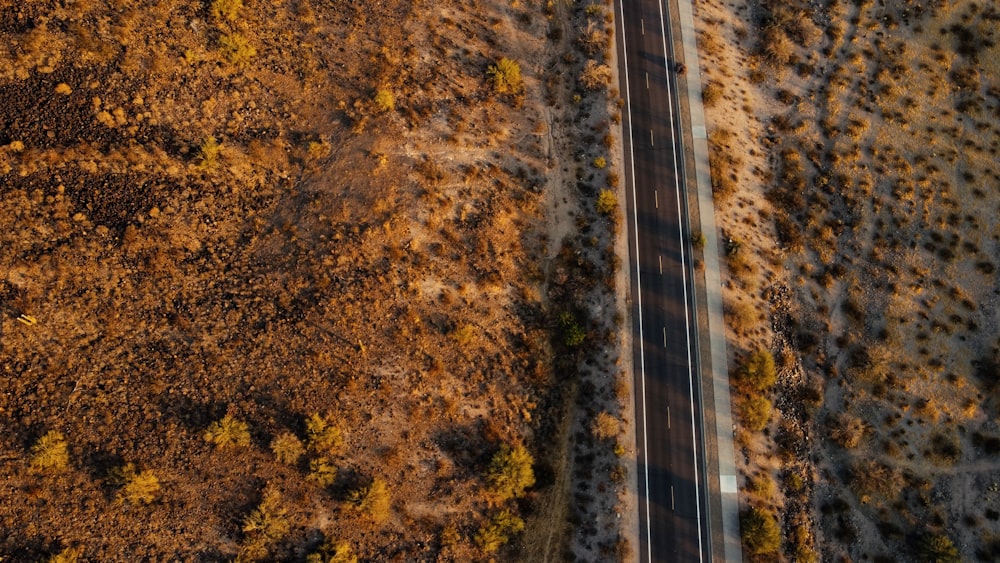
[(854, 163)]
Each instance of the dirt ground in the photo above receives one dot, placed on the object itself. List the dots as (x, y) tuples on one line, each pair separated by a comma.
[(862, 137), (273, 210)]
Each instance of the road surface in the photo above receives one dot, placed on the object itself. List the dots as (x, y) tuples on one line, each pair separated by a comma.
[(672, 508)]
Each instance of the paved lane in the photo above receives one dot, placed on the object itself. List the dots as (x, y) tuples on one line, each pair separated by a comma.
[(671, 506)]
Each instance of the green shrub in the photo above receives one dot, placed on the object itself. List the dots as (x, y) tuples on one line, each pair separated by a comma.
[(760, 532), (228, 433), (759, 370), (698, 240), (505, 76), (50, 452), (572, 333), (495, 533), (510, 472), (755, 413), (607, 202)]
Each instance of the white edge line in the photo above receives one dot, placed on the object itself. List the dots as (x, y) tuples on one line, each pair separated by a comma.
[(687, 316), (635, 220)]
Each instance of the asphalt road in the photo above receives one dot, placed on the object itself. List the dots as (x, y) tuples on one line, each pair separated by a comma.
[(672, 508)]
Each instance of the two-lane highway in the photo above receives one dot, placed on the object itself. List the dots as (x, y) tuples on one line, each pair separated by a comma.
[(672, 507)]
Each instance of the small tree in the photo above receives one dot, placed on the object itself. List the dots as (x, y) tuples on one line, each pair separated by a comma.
[(510, 472), (323, 471), (136, 486), (759, 370), (937, 548), (498, 530), (264, 526), (323, 436), (228, 433), (50, 452), (505, 76), (760, 531), (372, 499), (287, 448), (330, 552)]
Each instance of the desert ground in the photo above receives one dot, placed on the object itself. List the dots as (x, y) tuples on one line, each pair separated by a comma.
[(308, 281), (855, 170)]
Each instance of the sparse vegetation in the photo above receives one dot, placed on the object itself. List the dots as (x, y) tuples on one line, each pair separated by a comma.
[(850, 147), (605, 426)]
